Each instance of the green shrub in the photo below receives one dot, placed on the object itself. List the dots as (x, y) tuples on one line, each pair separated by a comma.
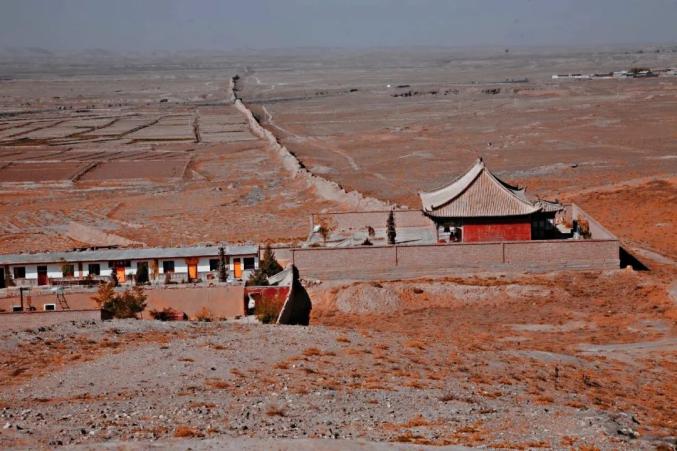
[(127, 304), (267, 310)]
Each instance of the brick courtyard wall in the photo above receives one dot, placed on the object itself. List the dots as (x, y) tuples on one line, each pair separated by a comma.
[(223, 301), (480, 255), (33, 320), (220, 301), (374, 262), (355, 260)]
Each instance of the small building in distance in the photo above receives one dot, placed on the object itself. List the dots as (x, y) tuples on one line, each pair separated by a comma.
[(91, 266), (478, 206)]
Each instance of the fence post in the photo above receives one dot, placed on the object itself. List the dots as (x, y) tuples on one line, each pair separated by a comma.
[(396, 262), (503, 252)]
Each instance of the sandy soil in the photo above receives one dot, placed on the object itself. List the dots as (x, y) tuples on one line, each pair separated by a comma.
[(563, 139), (568, 360), (561, 360), (112, 156)]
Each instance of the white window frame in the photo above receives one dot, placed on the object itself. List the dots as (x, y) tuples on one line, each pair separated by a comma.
[(44, 308)]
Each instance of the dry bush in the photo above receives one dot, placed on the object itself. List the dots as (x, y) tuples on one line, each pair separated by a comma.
[(184, 431), (301, 390), (414, 384), (312, 352), (417, 344), (447, 397), (588, 448), (283, 365), (236, 372), (217, 383), (205, 315), (186, 359), (267, 310), (408, 437), (274, 410)]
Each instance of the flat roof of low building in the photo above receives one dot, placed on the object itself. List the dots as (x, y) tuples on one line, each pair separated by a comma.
[(140, 253)]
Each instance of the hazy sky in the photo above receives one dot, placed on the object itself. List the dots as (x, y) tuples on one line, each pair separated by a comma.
[(226, 24)]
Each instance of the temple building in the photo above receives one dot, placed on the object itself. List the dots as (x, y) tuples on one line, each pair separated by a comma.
[(478, 206)]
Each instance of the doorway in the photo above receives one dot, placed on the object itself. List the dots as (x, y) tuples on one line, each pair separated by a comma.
[(120, 273), (43, 279), (192, 269), (237, 268)]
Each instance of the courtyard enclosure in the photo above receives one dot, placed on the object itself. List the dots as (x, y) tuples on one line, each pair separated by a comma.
[(600, 251)]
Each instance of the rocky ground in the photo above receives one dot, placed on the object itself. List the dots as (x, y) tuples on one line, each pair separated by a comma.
[(559, 360)]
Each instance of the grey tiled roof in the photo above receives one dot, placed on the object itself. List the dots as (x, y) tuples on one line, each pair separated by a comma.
[(479, 193)]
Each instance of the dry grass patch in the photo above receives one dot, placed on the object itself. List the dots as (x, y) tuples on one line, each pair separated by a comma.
[(217, 383), (310, 352), (416, 344), (184, 431), (283, 365), (343, 339), (275, 410)]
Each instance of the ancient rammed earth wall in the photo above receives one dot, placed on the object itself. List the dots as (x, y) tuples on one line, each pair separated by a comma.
[(600, 252), (324, 188)]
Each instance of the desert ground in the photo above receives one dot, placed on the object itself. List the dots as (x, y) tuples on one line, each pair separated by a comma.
[(569, 360), (105, 152)]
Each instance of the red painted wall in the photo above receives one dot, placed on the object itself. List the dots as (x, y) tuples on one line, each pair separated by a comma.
[(495, 229)]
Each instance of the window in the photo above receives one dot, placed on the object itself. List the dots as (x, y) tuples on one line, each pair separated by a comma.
[(94, 269), (19, 272), (213, 264), (49, 307), (168, 266), (249, 263), (68, 270), (17, 308)]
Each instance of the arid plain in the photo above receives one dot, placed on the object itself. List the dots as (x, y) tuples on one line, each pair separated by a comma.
[(133, 151)]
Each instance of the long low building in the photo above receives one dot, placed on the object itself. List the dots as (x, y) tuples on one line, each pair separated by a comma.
[(180, 264)]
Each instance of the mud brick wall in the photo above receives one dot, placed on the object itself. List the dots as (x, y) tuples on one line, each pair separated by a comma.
[(353, 259), (221, 301), (465, 255), (567, 254), (409, 261), (33, 320)]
